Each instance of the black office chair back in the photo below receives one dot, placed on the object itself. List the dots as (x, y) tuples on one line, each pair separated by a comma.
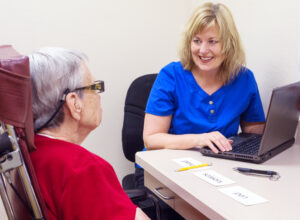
[(132, 141), (134, 113)]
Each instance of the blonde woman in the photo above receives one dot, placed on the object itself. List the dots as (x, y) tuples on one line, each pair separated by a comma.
[(203, 99)]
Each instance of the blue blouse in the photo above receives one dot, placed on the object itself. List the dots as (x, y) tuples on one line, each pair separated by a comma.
[(176, 92)]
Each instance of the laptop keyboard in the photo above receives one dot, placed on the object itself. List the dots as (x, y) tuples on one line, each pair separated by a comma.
[(250, 146)]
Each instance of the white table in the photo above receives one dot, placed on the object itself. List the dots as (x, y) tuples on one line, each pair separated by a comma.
[(193, 196)]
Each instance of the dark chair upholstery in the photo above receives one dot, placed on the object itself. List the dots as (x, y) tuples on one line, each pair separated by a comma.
[(132, 140), (133, 124), (134, 113)]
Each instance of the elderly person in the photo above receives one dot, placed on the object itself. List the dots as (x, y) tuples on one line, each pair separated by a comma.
[(203, 99), (75, 183)]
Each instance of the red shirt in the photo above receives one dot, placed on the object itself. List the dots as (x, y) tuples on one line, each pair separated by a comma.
[(77, 184)]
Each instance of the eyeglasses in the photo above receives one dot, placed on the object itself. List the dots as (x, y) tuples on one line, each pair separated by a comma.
[(97, 86)]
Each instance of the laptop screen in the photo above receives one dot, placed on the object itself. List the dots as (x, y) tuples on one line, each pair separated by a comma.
[(282, 117)]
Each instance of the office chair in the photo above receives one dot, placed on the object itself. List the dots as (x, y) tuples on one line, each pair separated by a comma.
[(134, 113), (19, 188), (132, 142), (132, 139)]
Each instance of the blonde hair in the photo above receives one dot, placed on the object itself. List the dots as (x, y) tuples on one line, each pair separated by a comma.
[(208, 15)]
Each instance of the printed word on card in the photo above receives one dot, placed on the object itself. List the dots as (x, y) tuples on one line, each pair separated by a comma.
[(187, 161), (213, 178), (243, 195)]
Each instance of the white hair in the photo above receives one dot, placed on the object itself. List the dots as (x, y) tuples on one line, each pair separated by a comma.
[(53, 70)]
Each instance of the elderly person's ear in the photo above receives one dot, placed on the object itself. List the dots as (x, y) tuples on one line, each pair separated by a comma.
[(74, 105)]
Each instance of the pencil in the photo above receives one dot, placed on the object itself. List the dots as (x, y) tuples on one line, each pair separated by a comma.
[(193, 167)]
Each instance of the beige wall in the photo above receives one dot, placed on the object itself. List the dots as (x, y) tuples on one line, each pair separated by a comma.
[(128, 38)]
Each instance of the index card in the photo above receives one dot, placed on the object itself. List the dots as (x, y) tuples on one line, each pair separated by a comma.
[(213, 178), (187, 161), (243, 195)]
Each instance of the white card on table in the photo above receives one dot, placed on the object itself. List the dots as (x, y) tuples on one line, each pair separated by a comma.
[(243, 195), (186, 161), (213, 177)]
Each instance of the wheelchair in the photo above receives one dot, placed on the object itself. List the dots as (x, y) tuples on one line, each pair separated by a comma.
[(19, 188)]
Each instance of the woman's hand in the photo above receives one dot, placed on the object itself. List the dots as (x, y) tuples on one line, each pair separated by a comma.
[(215, 141)]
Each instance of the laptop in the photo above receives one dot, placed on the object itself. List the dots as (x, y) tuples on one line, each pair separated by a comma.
[(279, 132)]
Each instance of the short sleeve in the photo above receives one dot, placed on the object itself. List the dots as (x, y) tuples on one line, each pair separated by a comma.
[(94, 192), (254, 111), (161, 100)]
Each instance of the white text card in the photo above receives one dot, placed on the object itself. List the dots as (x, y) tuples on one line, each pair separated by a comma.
[(243, 195), (213, 178), (187, 161)]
